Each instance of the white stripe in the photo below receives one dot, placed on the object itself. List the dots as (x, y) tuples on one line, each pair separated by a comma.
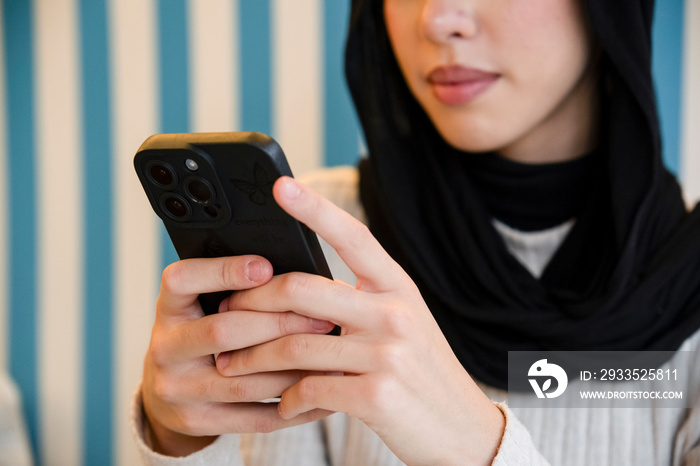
[(60, 230), (297, 80), (4, 211), (134, 103), (212, 59), (690, 131)]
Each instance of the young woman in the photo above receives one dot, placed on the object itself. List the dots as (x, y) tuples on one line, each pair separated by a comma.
[(515, 182)]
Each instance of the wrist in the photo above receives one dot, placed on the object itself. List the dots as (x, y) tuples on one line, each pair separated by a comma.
[(492, 435), (481, 440)]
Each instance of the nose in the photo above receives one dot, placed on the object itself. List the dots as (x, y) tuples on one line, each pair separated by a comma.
[(446, 20)]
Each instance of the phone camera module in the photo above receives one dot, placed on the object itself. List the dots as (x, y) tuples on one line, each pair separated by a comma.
[(199, 190), (161, 174), (176, 207)]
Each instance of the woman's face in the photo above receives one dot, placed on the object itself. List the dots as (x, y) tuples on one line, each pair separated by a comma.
[(512, 76)]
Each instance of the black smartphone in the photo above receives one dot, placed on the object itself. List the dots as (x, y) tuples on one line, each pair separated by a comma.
[(213, 192)]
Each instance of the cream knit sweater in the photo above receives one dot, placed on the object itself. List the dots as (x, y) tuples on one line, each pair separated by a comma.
[(574, 437)]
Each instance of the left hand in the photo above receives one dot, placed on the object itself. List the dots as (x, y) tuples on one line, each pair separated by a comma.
[(393, 367)]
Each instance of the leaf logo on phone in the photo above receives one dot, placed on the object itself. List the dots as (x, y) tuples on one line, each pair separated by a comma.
[(259, 189)]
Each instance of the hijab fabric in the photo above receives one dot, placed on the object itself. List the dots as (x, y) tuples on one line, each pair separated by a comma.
[(627, 277)]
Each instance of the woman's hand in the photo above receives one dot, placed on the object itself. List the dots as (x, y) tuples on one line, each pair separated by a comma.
[(187, 402), (391, 367)]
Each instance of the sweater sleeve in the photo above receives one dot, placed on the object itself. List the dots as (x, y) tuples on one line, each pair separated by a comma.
[(14, 443), (224, 450), (686, 448), (296, 445), (517, 447)]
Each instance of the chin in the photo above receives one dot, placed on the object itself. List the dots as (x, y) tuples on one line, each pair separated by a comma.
[(471, 141), (471, 131)]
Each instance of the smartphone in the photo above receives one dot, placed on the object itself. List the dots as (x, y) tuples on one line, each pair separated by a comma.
[(213, 192)]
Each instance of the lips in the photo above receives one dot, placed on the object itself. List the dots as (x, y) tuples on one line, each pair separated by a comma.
[(458, 85)]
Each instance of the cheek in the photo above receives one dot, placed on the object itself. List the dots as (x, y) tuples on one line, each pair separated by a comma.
[(402, 19), (396, 19), (548, 80), (546, 41), (541, 66)]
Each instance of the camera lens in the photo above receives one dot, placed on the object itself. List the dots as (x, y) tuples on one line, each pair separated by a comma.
[(176, 207), (161, 174), (199, 190), (212, 211)]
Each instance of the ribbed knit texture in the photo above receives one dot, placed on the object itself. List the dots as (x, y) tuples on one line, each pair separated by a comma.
[(566, 437), (14, 443)]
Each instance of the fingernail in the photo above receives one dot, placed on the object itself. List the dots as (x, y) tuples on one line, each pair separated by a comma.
[(223, 305), (321, 325), (254, 270), (222, 360), (290, 189)]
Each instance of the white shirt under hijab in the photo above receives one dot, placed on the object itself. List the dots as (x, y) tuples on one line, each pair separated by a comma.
[(572, 437)]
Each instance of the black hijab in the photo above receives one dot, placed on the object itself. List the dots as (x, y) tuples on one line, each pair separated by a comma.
[(627, 277)]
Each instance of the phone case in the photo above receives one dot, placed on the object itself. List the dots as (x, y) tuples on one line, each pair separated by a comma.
[(213, 192)]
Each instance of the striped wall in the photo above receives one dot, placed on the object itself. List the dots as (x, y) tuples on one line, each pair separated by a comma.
[(82, 83)]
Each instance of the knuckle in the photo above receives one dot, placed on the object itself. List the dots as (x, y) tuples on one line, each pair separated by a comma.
[(165, 390), (240, 389), (342, 292), (171, 279), (228, 274), (286, 323), (391, 357), (358, 235), (206, 390), (307, 390), (395, 320), (190, 421), (217, 334), (379, 393), (294, 284), (294, 347), (158, 351), (264, 425)]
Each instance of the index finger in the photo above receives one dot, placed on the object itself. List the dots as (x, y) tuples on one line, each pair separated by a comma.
[(185, 280), (353, 241)]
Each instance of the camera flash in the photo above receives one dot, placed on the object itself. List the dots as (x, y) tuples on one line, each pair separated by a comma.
[(191, 165)]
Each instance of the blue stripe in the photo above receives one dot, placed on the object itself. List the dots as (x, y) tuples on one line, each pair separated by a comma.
[(98, 395), (174, 84), (256, 69), (19, 78), (668, 72), (341, 131)]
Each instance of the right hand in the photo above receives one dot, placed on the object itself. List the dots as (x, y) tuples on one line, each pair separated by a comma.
[(185, 399)]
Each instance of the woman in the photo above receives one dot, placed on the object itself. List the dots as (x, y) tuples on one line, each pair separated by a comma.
[(515, 175)]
